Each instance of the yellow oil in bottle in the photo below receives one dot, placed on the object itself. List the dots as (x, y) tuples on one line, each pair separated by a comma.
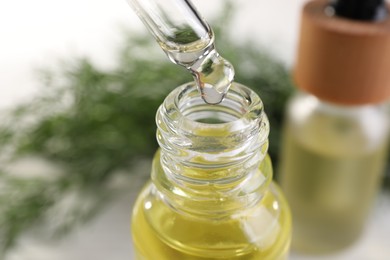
[(330, 196), (261, 232), (211, 195), (330, 172)]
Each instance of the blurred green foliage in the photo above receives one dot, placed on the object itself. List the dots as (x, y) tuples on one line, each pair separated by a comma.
[(94, 122)]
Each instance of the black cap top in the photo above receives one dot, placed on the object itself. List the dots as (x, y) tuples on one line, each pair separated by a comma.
[(366, 10)]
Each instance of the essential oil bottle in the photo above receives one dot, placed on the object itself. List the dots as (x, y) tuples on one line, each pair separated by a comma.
[(337, 127), (211, 194)]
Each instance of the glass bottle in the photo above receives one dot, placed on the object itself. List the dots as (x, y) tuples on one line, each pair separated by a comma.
[(211, 194), (337, 128), (332, 162)]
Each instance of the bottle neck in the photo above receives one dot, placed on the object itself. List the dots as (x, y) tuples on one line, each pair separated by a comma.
[(338, 130), (210, 154)]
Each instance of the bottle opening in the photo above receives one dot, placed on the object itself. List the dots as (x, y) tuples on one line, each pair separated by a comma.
[(240, 108), (230, 109)]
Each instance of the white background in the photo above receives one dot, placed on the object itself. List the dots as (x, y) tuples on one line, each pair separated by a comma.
[(37, 33)]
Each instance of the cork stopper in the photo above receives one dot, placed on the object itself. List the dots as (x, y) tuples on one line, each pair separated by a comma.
[(341, 60)]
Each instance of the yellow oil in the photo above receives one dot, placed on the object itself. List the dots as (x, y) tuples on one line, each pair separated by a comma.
[(330, 185), (163, 232)]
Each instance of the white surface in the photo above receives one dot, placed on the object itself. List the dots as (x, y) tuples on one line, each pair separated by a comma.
[(37, 33), (108, 236), (105, 238)]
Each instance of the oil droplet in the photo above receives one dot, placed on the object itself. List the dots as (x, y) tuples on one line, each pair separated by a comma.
[(213, 75)]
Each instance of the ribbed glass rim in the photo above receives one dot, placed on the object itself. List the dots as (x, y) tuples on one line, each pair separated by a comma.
[(241, 109)]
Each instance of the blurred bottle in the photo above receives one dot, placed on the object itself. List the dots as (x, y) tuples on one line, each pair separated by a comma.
[(337, 128)]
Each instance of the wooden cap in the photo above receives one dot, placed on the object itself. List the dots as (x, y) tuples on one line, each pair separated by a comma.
[(343, 61)]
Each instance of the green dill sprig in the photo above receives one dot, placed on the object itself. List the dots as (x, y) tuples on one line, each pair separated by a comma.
[(93, 123)]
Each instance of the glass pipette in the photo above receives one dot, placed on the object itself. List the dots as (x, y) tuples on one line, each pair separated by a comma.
[(188, 41)]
